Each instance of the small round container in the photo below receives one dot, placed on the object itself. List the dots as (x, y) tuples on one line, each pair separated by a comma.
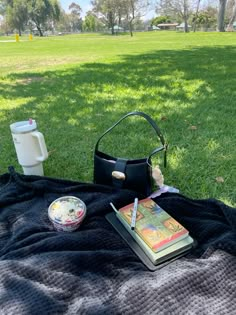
[(67, 213)]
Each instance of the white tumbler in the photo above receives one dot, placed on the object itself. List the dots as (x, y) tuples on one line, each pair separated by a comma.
[(30, 146)]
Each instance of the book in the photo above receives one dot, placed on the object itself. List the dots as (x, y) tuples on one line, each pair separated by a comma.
[(153, 225), (173, 251)]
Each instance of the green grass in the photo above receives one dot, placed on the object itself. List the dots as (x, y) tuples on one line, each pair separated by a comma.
[(78, 86)]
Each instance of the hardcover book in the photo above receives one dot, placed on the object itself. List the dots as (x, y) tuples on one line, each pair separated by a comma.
[(173, 251), (153, 225)]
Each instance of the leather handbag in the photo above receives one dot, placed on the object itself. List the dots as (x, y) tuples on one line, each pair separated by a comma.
[(133, 174)]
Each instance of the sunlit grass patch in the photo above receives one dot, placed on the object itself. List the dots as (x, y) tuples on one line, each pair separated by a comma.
[(78, 86)]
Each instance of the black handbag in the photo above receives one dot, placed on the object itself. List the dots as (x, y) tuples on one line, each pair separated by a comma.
[(134, 174)]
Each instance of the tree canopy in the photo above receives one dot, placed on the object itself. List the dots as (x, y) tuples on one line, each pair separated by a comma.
[(34, 13), (113, 15), (112, 12)]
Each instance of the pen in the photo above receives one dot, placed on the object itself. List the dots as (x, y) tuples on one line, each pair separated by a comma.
[(134, 214), (113, 207)]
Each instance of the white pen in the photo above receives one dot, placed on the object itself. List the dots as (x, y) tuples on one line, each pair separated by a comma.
[(113, 207), (134, 214)]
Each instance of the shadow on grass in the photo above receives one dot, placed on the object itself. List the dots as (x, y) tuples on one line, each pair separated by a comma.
[(191, 93)]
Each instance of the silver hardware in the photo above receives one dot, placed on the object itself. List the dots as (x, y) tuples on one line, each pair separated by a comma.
[(118, 175)]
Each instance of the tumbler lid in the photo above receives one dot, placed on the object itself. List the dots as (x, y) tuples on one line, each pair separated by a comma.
[(23, 126)]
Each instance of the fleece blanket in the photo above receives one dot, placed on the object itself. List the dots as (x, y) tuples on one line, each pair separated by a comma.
[(93, 271)]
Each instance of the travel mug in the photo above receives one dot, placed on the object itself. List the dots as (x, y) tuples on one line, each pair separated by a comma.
[(30, 146)]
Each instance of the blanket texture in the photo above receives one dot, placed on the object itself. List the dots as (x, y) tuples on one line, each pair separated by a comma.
[(93, 271)]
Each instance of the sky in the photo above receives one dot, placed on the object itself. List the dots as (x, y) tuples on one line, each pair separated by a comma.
[(86, 6)]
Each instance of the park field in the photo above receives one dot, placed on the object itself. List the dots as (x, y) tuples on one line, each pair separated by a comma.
[(76, 86)]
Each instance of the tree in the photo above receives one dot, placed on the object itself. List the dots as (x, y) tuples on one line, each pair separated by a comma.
[(89, 23), (139, 24), (232, 7), (16, 15), (2, 7), (221, 16), (107, 12), (196, 15), (160, 19), (206, 18), (134, 9), (5, 25), (64, 23), (177, 9), (75, 17), (42, 11)]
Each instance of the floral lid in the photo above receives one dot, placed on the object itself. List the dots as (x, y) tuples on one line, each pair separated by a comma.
[(67, 210)]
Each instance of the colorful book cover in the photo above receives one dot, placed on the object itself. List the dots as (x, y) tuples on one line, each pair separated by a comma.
[(154, 225), (161, 256)]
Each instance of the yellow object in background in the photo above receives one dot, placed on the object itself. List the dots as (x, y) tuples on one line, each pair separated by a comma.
[(17, 38), (30, 37)]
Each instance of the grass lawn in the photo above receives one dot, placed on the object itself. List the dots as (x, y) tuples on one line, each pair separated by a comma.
[(78, 86)]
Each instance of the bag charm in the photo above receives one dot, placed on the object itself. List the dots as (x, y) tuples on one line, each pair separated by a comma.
[(157, 176), (159, 181)]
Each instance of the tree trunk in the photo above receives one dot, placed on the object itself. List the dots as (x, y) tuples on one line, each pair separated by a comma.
[(132, 7), (185, 25), (111, 22), (221, 16), (196, 15), (40, 31), (185, 16), (230, 26), (131, 28)]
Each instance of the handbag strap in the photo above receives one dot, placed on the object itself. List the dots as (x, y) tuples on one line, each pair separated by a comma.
[(151, 122)]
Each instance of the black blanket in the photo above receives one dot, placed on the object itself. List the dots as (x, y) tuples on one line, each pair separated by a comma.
[(92, 270)]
